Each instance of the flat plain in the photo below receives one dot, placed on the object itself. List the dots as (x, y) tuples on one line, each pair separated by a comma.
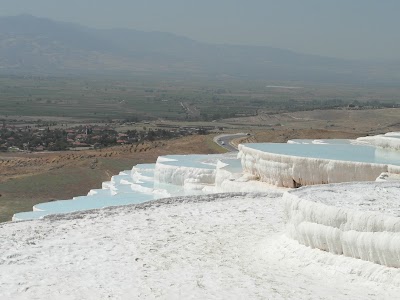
[(99, 98)]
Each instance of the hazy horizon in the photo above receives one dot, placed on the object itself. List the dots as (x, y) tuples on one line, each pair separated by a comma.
[(357, 30)]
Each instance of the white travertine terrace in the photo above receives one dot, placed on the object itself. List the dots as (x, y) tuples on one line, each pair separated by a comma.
[(309, 162), (342, 232), (293, 171), (220, 246), (256, 170), (359, 220), (181, 170), (390, 140)]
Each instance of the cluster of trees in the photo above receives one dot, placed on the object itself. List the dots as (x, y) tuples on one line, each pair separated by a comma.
[(29, 139), (33, 139)]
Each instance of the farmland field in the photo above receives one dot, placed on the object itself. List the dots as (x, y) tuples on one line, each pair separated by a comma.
[(142, 99)]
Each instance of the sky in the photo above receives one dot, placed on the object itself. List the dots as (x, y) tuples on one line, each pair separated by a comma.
[(361, 29)]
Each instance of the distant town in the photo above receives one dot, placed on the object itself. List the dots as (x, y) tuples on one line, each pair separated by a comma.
[(51, 136)]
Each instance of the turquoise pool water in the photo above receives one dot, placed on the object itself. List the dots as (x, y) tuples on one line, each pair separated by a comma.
[(233, 165), (124, 189), (322, 141), (92, 202), (83, 203), (192, 161)]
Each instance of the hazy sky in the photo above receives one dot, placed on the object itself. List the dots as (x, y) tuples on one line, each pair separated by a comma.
[(341, 28)]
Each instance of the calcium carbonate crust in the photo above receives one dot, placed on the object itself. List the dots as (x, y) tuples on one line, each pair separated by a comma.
[(389, 140), (351, 230), (293, 171)]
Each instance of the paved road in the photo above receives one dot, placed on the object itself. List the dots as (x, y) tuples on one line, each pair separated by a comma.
[(224, 140)]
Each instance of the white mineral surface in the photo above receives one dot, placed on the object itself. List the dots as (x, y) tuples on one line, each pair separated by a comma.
[(332, 241), (360, 220), (221, 246)]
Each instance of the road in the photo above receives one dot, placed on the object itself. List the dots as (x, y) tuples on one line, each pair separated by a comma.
[(224, 140)]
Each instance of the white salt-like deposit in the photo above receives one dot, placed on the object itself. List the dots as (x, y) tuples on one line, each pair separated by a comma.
[(390, 140), (358, 220), (308, 162), (225, 246), (333, 241), (292, 171)]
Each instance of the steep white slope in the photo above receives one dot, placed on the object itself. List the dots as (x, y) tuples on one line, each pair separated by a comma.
[(208, 247), (229, 177), (359, 220), (293, 171), (177, 169)]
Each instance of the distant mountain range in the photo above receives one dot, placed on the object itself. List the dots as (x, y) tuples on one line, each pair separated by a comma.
[(31, 45)]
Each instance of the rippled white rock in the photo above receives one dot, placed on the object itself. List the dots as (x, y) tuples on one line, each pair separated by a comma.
[(390, 140), (178, 169), (225, 246), (293, 171), (360, 220)]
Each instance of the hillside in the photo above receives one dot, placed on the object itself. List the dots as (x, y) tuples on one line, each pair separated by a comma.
[(41, 46)]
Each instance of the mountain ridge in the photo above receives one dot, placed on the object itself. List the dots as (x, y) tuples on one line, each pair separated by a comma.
[(29, 44)]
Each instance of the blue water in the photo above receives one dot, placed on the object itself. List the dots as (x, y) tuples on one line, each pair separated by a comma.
[(338, 151), (83, 203), (192, 161), (120, 191), (233, 165), (144, 167), (320, 141), (30, 215)]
